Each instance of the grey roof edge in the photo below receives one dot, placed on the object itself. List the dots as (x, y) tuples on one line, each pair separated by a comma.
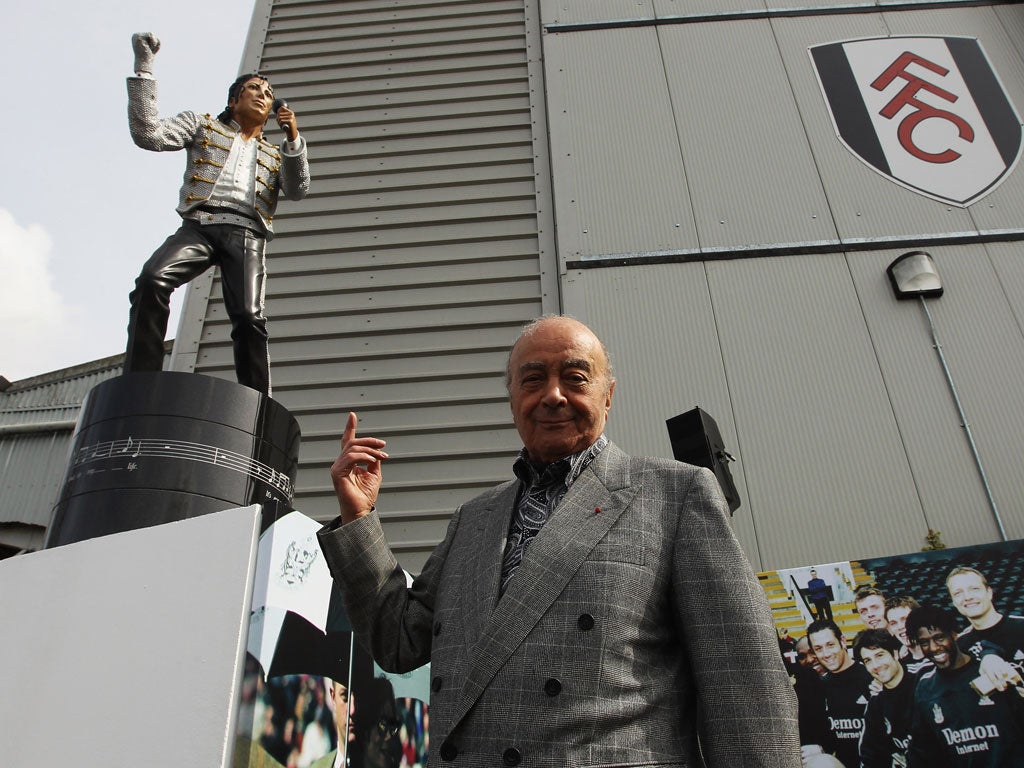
[(72, 372)]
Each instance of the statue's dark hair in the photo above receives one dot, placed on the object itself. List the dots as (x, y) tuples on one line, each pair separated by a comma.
[(235, 89)]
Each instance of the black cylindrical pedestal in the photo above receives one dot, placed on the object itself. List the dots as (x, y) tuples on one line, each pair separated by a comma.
[(153, 448)]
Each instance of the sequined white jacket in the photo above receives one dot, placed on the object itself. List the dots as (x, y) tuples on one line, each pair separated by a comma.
[(208, 142)]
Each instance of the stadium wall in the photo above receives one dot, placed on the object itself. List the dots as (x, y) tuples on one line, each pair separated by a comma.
[(669, 173)]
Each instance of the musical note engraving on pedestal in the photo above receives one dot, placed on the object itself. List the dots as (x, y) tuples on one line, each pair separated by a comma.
[(152, 448)]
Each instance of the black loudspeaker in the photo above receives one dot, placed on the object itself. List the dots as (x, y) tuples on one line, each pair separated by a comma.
[(157, 447), (696, 440)]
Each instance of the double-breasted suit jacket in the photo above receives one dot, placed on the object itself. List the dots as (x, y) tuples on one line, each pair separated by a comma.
[(634, 624)]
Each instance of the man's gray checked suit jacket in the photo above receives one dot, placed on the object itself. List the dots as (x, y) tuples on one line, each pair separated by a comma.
[(634, 624)]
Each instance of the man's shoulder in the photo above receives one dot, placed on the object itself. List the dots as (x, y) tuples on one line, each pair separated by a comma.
[(653, 465), (1009, 628)]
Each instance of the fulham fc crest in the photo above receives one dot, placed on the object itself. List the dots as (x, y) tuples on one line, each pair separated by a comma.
[(927, 112)]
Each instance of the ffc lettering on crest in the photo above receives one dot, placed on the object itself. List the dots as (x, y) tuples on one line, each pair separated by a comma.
[(929, 113), (920, 110)]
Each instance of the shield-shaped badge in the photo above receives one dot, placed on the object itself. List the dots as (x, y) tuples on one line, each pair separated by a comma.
[(927, 112)]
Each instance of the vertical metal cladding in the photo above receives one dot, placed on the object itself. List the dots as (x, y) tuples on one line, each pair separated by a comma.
[(847, 440), (396, 286)]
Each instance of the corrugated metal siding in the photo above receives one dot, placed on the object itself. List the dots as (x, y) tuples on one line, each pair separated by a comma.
[(620, 182), (37, 418), (845, 5), (581, 12), (819, 440), (761, 165), (999, 210), (742, 139), (864, 205), (984, 348), (31, 475), (659, 325), (1008, 263), (828, 389), (669, 9), (398, 284), (574, 11), (830, 386), (55, 396)]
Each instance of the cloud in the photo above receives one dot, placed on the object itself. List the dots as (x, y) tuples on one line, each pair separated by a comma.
[(31, 310)]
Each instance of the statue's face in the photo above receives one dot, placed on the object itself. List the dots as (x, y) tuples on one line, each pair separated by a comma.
[(252, 104)]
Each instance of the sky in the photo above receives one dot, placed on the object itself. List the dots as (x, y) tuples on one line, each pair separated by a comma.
[(83, 207)]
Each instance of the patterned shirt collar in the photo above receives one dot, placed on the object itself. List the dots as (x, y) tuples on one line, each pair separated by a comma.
[(566, 469)]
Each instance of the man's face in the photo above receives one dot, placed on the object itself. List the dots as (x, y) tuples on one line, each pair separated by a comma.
[(831, 651), (344, 709), (896, 619), (805, 656), (882, 666), (970, 595), (559, 388), (872, 611), (939, 647), (252, 104)]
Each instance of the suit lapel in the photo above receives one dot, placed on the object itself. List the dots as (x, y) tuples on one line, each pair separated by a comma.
[(483, 560), (552, 559)]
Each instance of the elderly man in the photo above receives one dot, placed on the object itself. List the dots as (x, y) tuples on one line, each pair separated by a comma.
[(233, 178), (596, 610)]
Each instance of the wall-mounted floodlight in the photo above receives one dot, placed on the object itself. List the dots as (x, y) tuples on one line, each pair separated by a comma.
[(913, 274)]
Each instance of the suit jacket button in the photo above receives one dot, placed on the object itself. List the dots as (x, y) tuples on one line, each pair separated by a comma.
[(585, 622), (437, 628), (435, 684), (448, 751), (511, 757), (553, 686)]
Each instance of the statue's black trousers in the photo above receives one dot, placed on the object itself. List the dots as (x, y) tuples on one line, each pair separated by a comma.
[(239, 252)]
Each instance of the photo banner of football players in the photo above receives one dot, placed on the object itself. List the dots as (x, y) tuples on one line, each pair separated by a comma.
[(310, 696), (911, 660), (299, 718)]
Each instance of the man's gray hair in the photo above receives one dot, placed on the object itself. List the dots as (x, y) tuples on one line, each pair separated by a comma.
[(531, 327)]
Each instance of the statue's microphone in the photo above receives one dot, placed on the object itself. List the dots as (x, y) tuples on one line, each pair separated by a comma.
[(278, 103)]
